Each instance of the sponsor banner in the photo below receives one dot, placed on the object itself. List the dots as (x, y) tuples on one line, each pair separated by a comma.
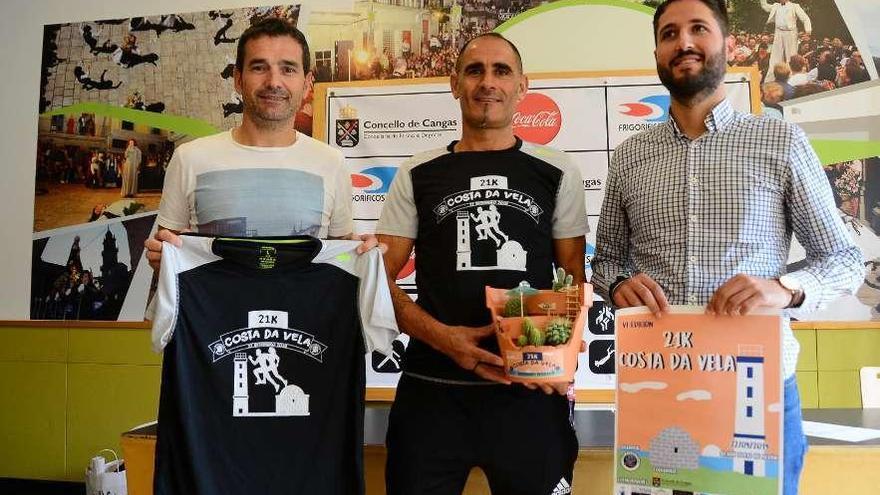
[(384, 370), (642, 103), (565, 116), (370, 180), (383, 121), (594, 171), (713, 386)]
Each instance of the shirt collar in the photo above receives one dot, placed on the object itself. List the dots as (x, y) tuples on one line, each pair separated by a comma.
[(720, 117)]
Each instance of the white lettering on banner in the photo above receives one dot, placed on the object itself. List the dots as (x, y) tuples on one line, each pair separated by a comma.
[(489, 182), (544, 118), (267, 318)]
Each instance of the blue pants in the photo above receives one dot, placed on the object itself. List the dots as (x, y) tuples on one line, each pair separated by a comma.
[(795, 443)]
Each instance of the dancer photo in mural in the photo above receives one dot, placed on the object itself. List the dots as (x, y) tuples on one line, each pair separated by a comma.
[(112, 112), (805, 46)]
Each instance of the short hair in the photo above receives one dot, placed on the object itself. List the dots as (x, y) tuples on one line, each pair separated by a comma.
[(490, 34), (718, 8), (781, 72), (772, 92), (272, 27), (808, 89), (797, 63)]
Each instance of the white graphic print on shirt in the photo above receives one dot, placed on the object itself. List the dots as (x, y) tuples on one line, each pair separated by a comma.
[(479, 211), (267, 333)]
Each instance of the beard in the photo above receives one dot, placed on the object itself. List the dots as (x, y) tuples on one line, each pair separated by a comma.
[(269, 116), (690, 86)]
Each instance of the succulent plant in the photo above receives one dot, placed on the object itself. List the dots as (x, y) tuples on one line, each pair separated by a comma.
[(522, 340), (558, 331), (513, 307), (561, 281), (534, 334)]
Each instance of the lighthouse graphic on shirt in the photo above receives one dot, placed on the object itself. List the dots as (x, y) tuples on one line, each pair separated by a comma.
[(257, 353), (478, 214)]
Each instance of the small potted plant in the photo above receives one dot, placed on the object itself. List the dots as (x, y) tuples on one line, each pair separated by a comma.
[(539, 332)]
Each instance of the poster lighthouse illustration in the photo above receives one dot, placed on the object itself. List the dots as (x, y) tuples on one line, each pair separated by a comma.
[(699, 404)]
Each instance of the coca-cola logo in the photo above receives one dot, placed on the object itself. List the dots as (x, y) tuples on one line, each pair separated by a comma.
[(537, 119)]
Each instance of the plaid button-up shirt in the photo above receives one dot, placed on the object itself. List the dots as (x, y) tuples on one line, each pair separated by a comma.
[(691, 214)]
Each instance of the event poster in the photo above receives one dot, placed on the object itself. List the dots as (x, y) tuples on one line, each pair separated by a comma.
[(699, 403)]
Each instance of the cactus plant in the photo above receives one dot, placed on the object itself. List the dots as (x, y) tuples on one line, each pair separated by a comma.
[(558, 331), (561, 281), (522, 340), (513, 307), (533, 334)]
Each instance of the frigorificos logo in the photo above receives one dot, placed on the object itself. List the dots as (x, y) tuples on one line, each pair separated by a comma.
[(537, 119)]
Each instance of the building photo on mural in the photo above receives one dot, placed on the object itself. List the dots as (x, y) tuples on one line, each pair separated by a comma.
[(117, 97)]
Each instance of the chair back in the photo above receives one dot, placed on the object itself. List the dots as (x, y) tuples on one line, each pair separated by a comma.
[(870, 376)]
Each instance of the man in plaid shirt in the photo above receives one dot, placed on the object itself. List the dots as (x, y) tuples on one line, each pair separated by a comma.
[(700, 210)]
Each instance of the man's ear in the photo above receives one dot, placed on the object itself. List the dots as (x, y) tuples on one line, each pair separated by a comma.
[(308, 85), (453, 85), (236, 79), (523, 88)]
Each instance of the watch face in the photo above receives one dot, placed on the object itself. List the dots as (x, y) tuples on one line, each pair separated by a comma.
[(790, 283)]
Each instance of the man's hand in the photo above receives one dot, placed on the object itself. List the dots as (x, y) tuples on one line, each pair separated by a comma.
[(154, 245), (462, 345), (743, 294), (368, 241), (560, 388), (641, 290)]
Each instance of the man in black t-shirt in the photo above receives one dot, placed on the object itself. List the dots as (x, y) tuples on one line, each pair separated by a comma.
[(488, 209)]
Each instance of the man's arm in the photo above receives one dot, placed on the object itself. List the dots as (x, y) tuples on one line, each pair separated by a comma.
[(611, 262), (611, 259), (459, 343), (766, 6), (802, 15), (835, 264), (569, 254), (368, 241)]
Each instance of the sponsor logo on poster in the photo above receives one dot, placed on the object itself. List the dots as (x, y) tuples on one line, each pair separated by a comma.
[(601, 355), (537, 119), (391, 363), (371, 184), (347, 127), (601, 319), (645, 113)]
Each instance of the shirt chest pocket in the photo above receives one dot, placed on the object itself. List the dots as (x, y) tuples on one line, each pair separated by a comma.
[(746, 207)]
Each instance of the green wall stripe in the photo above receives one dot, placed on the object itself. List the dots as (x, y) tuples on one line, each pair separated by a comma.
[(571, 3), (834, 151), (183, 125)]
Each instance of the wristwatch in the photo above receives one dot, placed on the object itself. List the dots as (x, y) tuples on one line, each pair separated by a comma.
[(793, 285)]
